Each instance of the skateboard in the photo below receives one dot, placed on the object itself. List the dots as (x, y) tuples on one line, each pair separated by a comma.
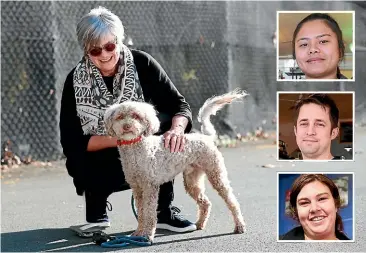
[(87, 230), (83, 232)]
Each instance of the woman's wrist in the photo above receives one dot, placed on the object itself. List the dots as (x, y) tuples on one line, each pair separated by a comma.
[(113, 141), (179, 122), (179, 126)]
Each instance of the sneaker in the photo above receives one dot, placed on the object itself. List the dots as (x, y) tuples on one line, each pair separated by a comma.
[(96, 207), (97, 224), (97, 221), (174, 221)]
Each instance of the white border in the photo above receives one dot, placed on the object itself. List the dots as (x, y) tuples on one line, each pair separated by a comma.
[(317, 80), (313, 92), (317, 172)]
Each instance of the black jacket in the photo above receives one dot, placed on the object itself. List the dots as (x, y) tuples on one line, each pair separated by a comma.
[(102, 170), (297, 233), (341, 76)]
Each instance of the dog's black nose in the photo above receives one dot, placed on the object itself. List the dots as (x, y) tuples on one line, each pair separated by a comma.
[(126, 127)]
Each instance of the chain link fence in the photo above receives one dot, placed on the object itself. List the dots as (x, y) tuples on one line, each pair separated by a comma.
[(206, 48)]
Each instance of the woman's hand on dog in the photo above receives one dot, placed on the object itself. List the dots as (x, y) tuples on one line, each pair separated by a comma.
[(175, 137)]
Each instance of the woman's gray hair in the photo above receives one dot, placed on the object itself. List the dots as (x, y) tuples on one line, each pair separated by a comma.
[(97, 24)]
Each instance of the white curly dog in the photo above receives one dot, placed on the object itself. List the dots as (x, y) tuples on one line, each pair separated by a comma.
[(147, 164)]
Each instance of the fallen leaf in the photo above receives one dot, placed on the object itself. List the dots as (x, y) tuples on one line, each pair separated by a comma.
[(268, 166)]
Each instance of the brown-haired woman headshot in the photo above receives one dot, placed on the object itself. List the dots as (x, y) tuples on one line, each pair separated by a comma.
[(318, 47), (315, 204)]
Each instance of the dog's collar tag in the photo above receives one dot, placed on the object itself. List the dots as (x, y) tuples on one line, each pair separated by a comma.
[(133, 141)]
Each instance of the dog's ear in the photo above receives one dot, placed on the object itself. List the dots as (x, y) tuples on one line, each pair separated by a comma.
[(152, 121), (108, 120)]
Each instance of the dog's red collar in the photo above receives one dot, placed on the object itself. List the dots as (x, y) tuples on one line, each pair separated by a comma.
[(133, 141)]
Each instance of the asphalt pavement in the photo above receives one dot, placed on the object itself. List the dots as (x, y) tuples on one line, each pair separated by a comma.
[(40, 203)]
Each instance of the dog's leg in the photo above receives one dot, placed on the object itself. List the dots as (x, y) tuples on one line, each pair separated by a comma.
[(195, 187), (150, 196), (137, 194), (218, 177)]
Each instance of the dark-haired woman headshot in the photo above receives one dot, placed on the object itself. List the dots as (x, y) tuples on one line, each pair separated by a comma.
[(318, 47), (314, 203)]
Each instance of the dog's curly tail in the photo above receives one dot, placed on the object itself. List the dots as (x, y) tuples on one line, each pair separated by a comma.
[(214, 104)]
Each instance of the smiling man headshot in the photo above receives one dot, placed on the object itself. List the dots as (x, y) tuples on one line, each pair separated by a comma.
[(315, 126), (318, 47)]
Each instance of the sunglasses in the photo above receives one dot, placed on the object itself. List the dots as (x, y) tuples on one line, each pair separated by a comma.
[(109, 47)]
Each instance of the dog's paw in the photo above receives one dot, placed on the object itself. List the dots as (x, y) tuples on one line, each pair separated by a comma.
[(239, 229), (145, 234), (138, 233), (200, 225), (150, 238)]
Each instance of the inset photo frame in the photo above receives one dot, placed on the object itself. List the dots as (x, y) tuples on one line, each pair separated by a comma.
[(315, 126), (316, 46), (315, 206)]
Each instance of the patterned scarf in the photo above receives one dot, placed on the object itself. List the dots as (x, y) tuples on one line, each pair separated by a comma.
[(92, 95)]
